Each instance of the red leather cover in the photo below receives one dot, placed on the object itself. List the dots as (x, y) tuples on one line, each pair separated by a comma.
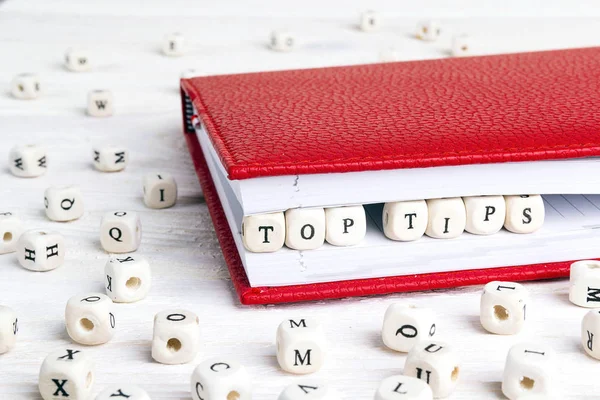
[(360, 287), (516, 107)]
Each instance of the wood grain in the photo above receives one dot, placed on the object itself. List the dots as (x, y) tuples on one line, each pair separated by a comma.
[(187, 265)]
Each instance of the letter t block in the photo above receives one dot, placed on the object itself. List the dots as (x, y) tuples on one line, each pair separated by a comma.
[(263, 233), (300, 345)]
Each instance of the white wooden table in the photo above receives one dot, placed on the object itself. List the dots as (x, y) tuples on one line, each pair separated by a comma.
[(188, 268)]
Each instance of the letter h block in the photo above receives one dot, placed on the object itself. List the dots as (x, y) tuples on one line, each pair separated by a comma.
[(300, 345)]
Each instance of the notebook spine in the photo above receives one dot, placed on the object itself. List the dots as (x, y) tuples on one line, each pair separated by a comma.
[(187, 113)]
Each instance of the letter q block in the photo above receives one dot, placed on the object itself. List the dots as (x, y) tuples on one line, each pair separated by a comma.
[(300, 345), (120, 232), (263, 233), (405, 325)]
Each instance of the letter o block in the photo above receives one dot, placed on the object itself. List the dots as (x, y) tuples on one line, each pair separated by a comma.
[(9, 328), (590, 329), (120, 232), (405, 325), (176, 338), (305, 228), (263, 233), (300, 345), (435, 363)]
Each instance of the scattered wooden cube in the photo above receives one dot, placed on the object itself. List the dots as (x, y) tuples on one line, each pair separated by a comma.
[(300, 345), (221, 379), (66, 374), (176, 338), (120, 231), (503, 307)]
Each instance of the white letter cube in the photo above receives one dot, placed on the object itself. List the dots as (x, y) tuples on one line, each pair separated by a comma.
[(63, 203), (221, 379), (305, 228), (400, 387), (405, 325), (9, 328), (28, 161), (461, 46), (524, 213), (300, 345), (176, 337), (485, 214), (503, 307), (77, 60), (123, 392), (26, 86), (11, 229), (529, 370), (128, 278), (66, 374), (120, 232), (428, 30), (590, 329), (160, 190), (40, 250), (90, 318), (345, 226), (282, 41), (100, 103), (110, 158), (405, 220), (309, 389), (447, 218), (435, 363), (173, 44), (369, 21), (584, 283), (263, 233)]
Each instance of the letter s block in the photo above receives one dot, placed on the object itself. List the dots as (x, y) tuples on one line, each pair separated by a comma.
[(300, 345), (120, 232), (263, 233), (524, 213)]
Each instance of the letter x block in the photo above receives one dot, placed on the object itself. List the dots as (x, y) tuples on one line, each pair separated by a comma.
[(66, 374), (300, 345)]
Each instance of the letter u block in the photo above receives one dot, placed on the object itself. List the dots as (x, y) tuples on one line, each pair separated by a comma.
[(435, 363), (300, 345)]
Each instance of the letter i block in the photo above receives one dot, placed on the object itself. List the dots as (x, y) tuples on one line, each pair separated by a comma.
[(584, 285), (300, 345), (263, 233)]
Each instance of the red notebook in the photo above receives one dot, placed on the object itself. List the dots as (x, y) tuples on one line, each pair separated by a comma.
[(521, 110)]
